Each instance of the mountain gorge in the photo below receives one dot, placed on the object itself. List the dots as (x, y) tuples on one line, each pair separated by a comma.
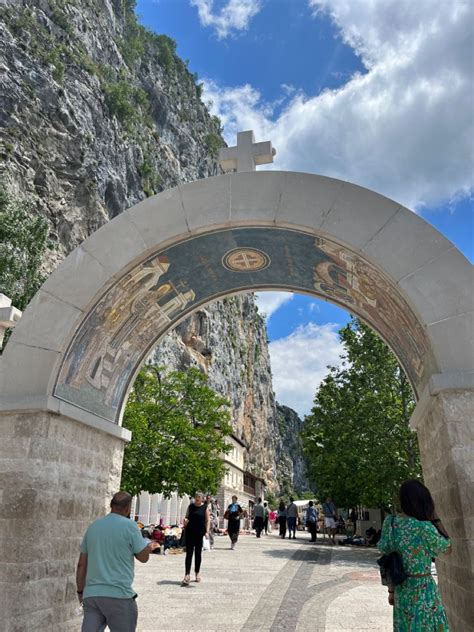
[(97, 114)]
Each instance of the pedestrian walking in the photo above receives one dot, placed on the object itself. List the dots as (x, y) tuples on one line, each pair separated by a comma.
[(418, 536), (281, 519), (292, 515), (233, 514), (312, 520), (330, 515), (266, 513), (214, 513), (273, 515), (105, 569), (196, 525), (258, 517)]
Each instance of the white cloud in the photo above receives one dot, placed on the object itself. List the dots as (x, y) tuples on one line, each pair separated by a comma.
[(299, 363), (234, 16), (288, 88), (269, 302), (404, 128)]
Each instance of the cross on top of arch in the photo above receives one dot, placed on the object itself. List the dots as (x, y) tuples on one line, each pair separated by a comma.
[(246, 154)]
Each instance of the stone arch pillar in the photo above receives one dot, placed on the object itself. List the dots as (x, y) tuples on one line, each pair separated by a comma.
[(66, 371), (443, 422)]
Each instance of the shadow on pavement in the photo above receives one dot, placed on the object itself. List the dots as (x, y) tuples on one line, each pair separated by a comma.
[(322, 555), (300, 555)]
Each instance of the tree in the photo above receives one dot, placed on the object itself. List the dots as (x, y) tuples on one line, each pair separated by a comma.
[(23, 243), (179, 427), (358, 443)]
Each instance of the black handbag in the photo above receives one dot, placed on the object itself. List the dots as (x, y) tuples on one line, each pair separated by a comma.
[(391, 567)]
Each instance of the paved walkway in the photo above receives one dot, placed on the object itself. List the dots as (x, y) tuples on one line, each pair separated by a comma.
[(268, 584)]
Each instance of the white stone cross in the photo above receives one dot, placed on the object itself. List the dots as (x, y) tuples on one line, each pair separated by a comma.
[(9, 316), (247, 154)]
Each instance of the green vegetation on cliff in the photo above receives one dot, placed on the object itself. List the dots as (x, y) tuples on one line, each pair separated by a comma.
[(134, 75), (23, 243)]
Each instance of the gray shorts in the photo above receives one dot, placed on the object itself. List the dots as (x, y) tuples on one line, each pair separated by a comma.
[(119, 614)]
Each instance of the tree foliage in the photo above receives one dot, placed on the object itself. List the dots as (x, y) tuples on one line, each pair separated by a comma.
[(179, 427), (23, 243), (358, 443)]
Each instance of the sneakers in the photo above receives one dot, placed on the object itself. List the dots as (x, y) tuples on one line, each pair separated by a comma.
[(232, 546)]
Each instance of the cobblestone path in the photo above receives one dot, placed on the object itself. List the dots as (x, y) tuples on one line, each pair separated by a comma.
[(268, 584)]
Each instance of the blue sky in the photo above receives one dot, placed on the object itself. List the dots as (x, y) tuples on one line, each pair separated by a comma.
[(267, 55), (379, 94)]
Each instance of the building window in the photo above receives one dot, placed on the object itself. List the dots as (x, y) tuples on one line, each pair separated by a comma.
[(249, 484)]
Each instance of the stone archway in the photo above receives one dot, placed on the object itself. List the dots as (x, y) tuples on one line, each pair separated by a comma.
[(66, 371)]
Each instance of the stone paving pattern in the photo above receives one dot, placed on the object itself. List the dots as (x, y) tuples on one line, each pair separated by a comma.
[(268, 585)]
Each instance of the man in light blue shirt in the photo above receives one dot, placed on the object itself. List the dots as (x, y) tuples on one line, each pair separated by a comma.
[(106, 569)]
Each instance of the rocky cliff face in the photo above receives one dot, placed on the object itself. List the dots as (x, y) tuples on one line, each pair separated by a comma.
[(289, 451), (97, 114), (228, 340)]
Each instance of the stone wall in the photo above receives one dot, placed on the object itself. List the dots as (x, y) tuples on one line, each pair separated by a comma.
[(57, 476), (445, 434)]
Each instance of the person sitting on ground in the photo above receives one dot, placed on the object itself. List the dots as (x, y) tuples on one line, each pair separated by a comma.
[(292, 516), (372, 536), (105, 569), (158, 536), (281, 518)]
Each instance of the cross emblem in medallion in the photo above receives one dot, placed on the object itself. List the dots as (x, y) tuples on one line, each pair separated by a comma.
[(246, 260)]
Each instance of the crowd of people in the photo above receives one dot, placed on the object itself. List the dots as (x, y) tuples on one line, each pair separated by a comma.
[(105, 570)]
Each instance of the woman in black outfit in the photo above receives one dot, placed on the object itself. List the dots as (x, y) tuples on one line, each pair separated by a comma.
[(196, 524), (282, 517), (233, 514)]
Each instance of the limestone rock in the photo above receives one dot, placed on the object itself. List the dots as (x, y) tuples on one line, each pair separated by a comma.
[(289, 450), (97, 113)]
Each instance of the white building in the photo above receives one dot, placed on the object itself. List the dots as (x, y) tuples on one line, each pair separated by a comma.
[(155, 508), (237, 481)]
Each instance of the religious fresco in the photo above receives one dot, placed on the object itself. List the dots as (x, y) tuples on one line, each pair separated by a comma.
[(134, 313)]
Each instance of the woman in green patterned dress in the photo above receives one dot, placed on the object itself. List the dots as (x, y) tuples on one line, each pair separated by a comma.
[(418, 535)]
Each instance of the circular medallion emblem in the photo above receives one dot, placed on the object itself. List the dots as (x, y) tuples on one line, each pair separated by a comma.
[(245, 260)]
